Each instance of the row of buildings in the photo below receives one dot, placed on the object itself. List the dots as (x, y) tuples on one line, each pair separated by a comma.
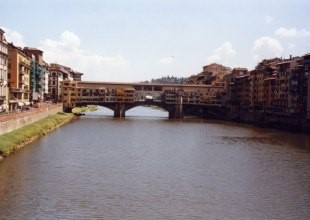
[(277, 86), (26, 79)]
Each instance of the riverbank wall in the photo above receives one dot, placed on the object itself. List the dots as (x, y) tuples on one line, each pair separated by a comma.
[(19, 120), (268, 120), (11, 141), (279, 121)]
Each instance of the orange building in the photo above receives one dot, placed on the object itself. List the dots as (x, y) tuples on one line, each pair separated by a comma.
[(18, 77), (240, 88), (263, 70)]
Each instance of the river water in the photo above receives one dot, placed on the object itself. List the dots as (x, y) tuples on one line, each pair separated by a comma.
[(149, 167)]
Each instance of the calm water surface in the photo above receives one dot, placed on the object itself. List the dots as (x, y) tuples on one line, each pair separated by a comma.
[(149, 167)]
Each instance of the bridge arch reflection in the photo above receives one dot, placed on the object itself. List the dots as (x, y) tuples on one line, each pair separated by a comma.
[(146, 111)]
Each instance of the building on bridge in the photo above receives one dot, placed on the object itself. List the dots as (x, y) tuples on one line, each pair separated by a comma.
[(59, 73), (120, 97)]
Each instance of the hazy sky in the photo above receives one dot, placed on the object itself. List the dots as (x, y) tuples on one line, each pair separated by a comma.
[(135, 40)]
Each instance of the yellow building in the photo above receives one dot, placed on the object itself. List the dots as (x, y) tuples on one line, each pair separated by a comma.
[(19, 78)]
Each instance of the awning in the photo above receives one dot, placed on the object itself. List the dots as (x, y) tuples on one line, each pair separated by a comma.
[(20, 103)]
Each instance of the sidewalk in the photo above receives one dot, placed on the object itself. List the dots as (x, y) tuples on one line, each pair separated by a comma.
[(42, 107)]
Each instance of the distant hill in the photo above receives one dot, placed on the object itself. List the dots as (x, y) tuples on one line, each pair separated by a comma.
[(168, 80), (210, 73)]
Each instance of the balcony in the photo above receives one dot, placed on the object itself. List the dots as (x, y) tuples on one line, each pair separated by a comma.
[(19, 90), (23, 63), (16, 90), (22, 81)]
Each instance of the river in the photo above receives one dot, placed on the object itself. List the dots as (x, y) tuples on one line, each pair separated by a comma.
[(149, 167)]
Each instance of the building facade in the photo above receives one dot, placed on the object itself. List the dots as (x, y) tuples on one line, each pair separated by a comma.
[(240, 88), (305, 93), (3, 73), (19, 67), (46, 95), (77, 76), (59, 73), (36, 74)]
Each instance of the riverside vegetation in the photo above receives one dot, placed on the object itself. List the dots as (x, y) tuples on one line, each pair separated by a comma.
[(11, 141), (82, 110)]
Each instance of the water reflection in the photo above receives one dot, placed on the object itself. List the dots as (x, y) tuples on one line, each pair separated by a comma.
[(137, 168)]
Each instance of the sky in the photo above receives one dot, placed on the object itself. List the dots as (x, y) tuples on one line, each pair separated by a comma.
[(137, 40)]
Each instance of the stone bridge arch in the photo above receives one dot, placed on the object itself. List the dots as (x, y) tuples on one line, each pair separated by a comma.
[(177, 99), (120, 108)]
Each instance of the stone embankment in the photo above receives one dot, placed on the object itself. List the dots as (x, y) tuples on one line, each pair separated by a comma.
[(13, 121), (28, 127), (276, 121)]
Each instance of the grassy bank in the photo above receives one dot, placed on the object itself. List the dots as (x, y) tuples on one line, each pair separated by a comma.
[(81, 110), (11, 141)]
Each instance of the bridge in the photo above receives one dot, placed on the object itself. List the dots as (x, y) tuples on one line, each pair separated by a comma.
[(119, 97)]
